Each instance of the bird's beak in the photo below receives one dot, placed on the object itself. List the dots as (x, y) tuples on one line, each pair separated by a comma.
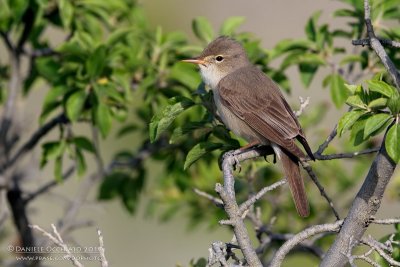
[(197, 61)]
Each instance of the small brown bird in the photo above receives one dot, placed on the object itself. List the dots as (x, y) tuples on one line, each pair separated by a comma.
[(251, 105)]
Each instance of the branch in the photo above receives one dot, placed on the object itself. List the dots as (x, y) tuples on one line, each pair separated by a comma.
[(46, 187), (56, 239), (378, 48), (247, 204), (227, 194), (380, 249), (300, 237), (321, 189), (303, 104), (385, 42), (218, 202), (345, 155), (104, 262), (325, 144), (368, 199), (364, 206), (35, 138)]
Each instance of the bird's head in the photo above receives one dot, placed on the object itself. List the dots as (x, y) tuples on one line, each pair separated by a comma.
[(221, 57)]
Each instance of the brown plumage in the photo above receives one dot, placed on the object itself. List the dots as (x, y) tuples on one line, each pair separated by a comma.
[(252, 106)]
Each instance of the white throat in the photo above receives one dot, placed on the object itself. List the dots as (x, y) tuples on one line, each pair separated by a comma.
[(211, 76)]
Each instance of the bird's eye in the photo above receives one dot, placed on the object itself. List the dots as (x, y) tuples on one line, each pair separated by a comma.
[(219, 58)]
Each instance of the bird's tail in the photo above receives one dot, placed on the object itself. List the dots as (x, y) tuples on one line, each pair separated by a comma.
[(291, 169)]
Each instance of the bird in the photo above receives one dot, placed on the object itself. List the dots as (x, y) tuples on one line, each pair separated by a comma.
[(251, 105)]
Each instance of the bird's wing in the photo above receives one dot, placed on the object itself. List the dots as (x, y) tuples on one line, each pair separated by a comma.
[(257, 100)]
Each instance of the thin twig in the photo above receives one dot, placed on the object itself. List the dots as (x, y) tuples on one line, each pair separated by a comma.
[(46, 187), (59, 242), (345, 155), (246, 205), (378, 48), (33, 140), (104, 262), (321, 189), (217, 201), (385, 42), (328, 140)]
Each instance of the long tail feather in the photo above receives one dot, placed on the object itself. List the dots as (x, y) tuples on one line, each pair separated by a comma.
[(291, 169)]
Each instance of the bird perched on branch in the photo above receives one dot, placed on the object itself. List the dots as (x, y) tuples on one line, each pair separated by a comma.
[(252, 106)]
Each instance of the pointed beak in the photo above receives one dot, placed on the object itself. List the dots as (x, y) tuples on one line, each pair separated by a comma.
[(197, 61)]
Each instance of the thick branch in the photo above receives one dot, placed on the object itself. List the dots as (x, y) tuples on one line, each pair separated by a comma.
[(227, 194), (364, 207)]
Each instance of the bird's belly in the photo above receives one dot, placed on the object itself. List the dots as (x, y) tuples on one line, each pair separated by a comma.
[(235, 124)]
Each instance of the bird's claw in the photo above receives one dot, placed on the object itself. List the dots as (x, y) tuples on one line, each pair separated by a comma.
[(233, 155)]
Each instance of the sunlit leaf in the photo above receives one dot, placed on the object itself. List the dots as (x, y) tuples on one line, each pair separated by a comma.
[(392, 142)]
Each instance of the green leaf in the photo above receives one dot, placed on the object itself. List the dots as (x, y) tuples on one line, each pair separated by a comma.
[(311, 26), (378, 103), (348, 119), (198, 151), (103, 119), (350, 59), (75, 104), (357, 131), (382, 88), (186, 74), (127, 129), (339, 92), (307, 72), (66, 10), (230, 25), (96, 61), (84, 143), (289, 45), (159, 123), (353, 88), (394, 104), (356, 102), (80, 162), (374, 123), (58, 169), (202, 29), (52, 150), (48, 68), (392, 142)]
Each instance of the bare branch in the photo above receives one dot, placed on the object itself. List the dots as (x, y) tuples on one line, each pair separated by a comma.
[(33, 140), (325, 144), (321, 189), (56, 239), (380, 249), (300, 237), (345, 155), (378, 48), (303, 104), (46, 187), (104, 262), (246, 205), (218, 202), (227, 194), (385, 42)]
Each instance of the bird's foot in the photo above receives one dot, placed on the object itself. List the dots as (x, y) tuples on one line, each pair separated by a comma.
[(232, 155)]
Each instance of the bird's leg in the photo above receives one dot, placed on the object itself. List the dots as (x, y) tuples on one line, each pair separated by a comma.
[(241, 150), (249, 145)]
